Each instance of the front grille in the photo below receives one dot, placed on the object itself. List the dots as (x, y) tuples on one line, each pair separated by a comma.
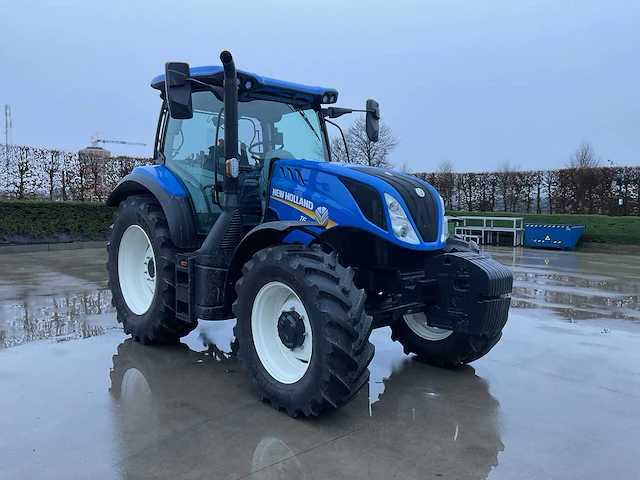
[(368, 199), (424, 211)]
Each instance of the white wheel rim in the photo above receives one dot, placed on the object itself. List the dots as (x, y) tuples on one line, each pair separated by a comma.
[(137, 269), (417, 322), (283, 364)]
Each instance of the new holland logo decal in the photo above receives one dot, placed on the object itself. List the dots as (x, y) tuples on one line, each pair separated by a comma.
[(305, 206), (291, 198), (322, 215)]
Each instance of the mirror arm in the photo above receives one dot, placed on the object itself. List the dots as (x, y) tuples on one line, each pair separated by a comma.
[(211, 88), (335, 112), (191, 79), (346, 148)]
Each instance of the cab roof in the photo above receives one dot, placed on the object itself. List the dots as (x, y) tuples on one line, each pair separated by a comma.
[(260, 86)]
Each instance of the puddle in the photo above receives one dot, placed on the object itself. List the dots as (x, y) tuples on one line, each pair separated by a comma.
[(574, 285)]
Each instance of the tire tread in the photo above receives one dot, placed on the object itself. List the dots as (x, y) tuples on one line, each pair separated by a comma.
[(166, 327), (348, 351)]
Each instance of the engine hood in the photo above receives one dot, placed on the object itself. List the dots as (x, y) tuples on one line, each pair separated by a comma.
[(353, 195)]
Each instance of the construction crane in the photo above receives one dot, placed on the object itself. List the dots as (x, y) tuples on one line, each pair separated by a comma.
[(96, 139)]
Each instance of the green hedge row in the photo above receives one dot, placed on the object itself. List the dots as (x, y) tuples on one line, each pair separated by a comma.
[(43, 220), (35, 220), (598, 228)]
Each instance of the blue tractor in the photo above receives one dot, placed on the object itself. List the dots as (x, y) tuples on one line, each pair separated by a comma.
[(245, 216)]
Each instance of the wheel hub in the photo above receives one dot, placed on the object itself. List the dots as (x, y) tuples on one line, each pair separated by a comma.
[(151, 268), (291, 329)]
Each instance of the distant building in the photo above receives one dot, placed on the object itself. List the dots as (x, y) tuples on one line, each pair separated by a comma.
[(96, 152)]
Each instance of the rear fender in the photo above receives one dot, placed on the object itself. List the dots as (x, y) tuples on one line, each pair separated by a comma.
[(173, 199)]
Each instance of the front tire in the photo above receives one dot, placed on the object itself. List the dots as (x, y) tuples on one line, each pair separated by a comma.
[(439, 347), (141, 268), (302, 330)]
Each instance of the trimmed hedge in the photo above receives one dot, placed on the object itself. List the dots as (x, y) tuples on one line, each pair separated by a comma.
[(30, 221), (599, 228), (27, 221)]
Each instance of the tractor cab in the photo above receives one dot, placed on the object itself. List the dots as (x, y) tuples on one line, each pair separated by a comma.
[(276, 120)]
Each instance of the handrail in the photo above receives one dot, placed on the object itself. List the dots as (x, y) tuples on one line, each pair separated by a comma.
[(487, 224)]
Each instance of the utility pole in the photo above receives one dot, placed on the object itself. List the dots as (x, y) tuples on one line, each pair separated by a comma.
[(7, 125)]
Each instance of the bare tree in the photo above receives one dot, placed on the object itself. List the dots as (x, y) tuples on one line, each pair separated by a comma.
[(537, 180), (51, 167), (96, 172), (79, 176), (446, 182), (584, 157), (405, 168), (24, 171), (4, 171), (65, 173), (446, 166), (366, 152), (506, 174)]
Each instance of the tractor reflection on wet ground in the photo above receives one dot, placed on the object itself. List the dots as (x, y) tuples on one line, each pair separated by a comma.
[(557, 398)]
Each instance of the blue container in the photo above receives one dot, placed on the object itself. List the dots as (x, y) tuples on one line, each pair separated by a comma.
[(563, 237)]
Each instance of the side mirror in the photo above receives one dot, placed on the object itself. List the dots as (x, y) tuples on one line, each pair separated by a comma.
[(178, 90), (373, 120)]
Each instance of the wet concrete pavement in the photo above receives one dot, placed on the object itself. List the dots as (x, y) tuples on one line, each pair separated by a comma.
[(558, 397)]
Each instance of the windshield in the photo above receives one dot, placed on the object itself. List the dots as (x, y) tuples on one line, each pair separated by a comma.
[(301, 134)]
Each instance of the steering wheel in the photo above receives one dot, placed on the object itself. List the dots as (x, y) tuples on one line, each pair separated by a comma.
[(271, 144)]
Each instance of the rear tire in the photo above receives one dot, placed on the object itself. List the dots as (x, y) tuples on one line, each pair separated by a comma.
[(439, 347), (141, 268), (293, 278)]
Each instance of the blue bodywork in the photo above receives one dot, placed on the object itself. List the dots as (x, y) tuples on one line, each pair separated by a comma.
[(164, 177), (278, 88), (323, 188), (320, 187)]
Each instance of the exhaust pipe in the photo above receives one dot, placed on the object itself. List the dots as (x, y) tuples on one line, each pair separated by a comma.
[(230, 123), (227, 231)]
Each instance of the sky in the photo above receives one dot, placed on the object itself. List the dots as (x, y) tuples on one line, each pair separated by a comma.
[(474, 82)]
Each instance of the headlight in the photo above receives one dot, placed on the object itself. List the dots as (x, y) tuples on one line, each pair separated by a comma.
[(445, 223), (400, 223)]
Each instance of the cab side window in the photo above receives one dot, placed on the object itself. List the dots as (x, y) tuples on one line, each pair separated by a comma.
[(190, 152)]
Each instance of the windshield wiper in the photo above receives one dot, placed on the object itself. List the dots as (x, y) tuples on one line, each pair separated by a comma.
[(304, 115)]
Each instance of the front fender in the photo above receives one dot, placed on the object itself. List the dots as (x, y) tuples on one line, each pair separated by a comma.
[(264, 235), (164, 186)]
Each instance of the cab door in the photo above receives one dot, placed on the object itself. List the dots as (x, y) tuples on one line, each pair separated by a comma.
[(192, 154)]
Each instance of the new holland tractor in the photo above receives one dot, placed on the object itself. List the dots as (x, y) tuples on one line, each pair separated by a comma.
[(245, 216)]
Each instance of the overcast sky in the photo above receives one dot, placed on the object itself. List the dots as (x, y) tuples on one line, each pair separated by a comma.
[(474, 81)]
